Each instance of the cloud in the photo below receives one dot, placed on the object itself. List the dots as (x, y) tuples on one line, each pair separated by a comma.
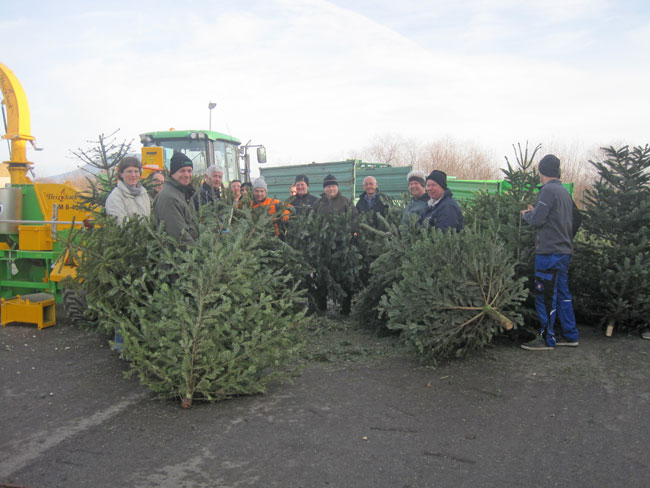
[(313, 79)]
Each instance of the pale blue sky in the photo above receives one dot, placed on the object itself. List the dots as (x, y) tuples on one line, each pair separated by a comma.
[(314, 80)]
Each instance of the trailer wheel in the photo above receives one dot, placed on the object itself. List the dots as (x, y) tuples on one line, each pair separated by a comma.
[(74, 304)]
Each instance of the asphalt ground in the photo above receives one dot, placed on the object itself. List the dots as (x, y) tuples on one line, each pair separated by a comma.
[(362, 413)]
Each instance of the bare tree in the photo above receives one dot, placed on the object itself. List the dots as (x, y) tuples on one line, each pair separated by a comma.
[(385, 149), (575, 165), (462, 160)]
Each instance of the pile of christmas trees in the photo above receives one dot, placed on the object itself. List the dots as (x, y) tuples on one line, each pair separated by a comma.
[(223, 317)]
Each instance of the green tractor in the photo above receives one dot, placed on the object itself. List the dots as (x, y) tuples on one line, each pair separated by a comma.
[(204, 147)]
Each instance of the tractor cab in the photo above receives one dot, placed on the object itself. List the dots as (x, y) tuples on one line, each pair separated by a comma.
[(204, 147)]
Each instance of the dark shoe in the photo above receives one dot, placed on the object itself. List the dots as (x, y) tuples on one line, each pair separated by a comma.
[(538, 344), (645, 335), (566, 343)]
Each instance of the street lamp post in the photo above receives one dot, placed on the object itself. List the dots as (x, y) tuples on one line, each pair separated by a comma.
[(211, 105)]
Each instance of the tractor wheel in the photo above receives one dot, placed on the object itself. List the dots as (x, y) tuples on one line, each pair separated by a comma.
[(74, 304)]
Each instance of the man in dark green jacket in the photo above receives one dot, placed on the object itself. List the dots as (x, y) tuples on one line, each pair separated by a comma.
[(331, 201), (332, 204), (173, 206), (302, 202)]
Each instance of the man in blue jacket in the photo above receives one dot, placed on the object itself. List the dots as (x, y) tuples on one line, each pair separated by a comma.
[(553, 218), (442, 212)]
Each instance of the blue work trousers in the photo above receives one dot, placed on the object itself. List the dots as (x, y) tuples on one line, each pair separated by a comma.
[(552, 295)]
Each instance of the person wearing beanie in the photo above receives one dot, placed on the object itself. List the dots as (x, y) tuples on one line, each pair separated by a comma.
[(178, 161), (416, 180), (555, 218), (129, 197), (173, 207), (372, 200), (303, 178), (302, 202), (260, 183), (212, 188), (271, 205), (331, 200), (329, 206), (549, 166), (443, 211)]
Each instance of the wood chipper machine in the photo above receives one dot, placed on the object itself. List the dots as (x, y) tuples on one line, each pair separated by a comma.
[(35, 222)]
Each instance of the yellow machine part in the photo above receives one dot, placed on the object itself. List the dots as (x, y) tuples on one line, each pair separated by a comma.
[(152, 160), (35, 238), (64, 267), (18, 125), (37, 308), (65, 196)]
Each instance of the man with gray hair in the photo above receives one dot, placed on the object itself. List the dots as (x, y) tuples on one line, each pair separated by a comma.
[(212, 187), (372, 200), (417, 188)]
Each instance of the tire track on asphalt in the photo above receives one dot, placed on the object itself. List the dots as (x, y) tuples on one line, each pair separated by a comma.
[(24, 451)]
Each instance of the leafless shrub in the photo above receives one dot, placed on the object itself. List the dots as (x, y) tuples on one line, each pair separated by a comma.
[(575, 166), (462, 160)]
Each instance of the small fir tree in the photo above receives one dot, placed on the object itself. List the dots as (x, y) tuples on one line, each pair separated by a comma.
[(457, 291), (612, 260), (371, 236), (328, 245), (500, 214), (384, 271), (108, 254)]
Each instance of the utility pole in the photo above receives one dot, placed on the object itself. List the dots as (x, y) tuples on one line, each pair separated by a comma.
[(211, 105)]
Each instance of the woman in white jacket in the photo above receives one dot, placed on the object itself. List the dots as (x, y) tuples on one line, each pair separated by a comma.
[(129, 197)]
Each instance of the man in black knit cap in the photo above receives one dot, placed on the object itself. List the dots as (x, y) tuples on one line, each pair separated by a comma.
[(556, 220), (173, 206), (332, 201), (302, 202), (442, 212)]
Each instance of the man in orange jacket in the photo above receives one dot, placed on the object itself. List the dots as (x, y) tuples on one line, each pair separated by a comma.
[(260, 199)]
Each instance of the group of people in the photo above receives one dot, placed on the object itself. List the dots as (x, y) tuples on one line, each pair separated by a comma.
[(432, 204), (176, 200)]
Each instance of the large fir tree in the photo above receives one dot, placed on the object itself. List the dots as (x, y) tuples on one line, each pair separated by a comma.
[(209, 321)]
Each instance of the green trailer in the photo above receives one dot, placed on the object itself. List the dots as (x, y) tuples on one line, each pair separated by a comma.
[(351, 173)]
